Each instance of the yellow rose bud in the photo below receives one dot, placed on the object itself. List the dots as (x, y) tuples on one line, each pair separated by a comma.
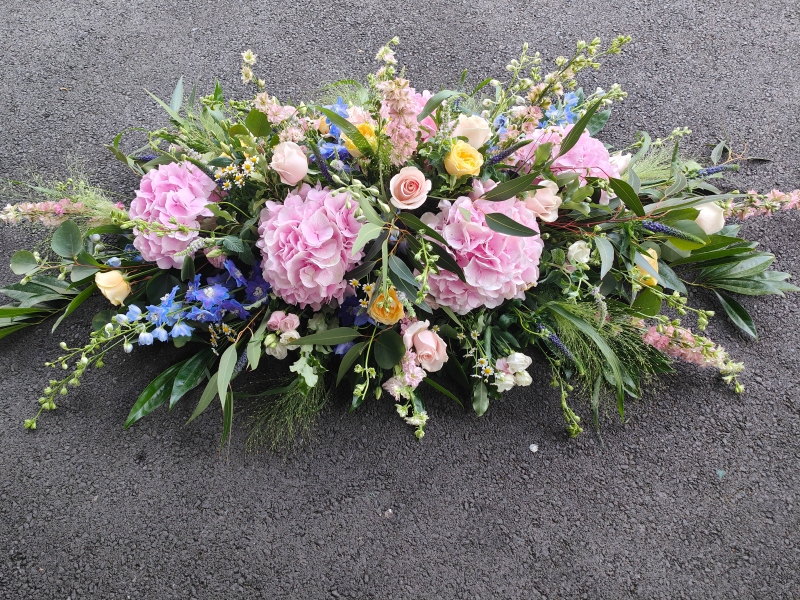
[(368, 131), (113, 286), (463, 160), (386, 310), (646, 278)]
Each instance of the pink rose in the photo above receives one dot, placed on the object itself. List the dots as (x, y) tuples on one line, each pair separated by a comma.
[(290, 162), (409, 188), (544, 202), (431, 349), (275, 320), (289, 323)]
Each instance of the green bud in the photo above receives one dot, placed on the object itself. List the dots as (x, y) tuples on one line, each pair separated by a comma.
[(30, 423)]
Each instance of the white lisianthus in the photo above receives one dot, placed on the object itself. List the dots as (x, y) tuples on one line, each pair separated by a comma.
[(517, 361), (621, 161), (305, 370), (289, 337), (523, 378), (503, 382), (579, 252), (711, 218)]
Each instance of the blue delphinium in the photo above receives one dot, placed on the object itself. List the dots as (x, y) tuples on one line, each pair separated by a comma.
[(330, 150), (342, 349), (145, 338), (352, 314), (181, 329), (209, 296), (168, 312), (340, 108), (234, 272), (255, 288), (235, 307)]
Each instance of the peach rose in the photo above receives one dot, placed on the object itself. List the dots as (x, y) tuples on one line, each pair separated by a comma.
[(430, 348), (544, 202), (113, 286), (476, 129), (290, 162), (409, 188), (386, 310)]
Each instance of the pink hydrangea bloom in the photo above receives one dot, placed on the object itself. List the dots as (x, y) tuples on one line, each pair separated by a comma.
[(170, 196), (306, 243), (588, 158), (497, 267)]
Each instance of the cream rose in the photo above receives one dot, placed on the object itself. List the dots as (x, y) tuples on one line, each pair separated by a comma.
[(476, 129), (579, 252), (290, 162), (113, 286), (409, 188), (544, 202), (430, 348), (711, 218)]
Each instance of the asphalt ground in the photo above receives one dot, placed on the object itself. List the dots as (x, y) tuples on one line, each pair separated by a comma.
[(694, 497)]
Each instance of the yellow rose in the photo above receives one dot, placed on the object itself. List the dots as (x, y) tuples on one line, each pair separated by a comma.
[(113, 286), (322, 126), (644, 277), (387, 311), (368, 131), (463, 160)]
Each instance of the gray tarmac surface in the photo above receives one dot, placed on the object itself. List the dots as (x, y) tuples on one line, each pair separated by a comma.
[(695, 497)]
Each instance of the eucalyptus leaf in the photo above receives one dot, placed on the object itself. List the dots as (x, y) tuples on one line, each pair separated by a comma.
[(349, 359), (502, 224), (389, 349), (606, 251), (331, 337), (154, 395), (738, 315), (23, 262), (190, 375), (67, 240)]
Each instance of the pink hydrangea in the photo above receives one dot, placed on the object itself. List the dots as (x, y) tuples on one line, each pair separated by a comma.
[(306, 243), (497, 267), (170, 196), (587, 158)]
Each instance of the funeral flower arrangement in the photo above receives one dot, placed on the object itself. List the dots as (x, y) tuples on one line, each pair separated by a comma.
[(401, 243)]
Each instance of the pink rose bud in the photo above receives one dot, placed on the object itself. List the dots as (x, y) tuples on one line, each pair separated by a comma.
[(290, 162), (289, 323), (431, 349), (409, 188), (275, 320)]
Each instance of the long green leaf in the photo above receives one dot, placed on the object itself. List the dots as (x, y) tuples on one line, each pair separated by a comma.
[(369, 231), (227, 417), (76, 302), (331, 337), (609, 355), (625, 192), (480, 398), (443, 390), (15, 311), (738, 315), (348, 359), (190, 375), (502, 224), (226, 364), (510, 189), (154, 395), (176, 100), (209, 393), (575, 133), (606, 250), (435, 102), (401, 270), (413, 222), (350, 130), (389, 349)]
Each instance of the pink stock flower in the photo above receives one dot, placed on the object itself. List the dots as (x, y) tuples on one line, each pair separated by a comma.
[(400, 107), (306, 244), (497, 267), (171, 196)]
